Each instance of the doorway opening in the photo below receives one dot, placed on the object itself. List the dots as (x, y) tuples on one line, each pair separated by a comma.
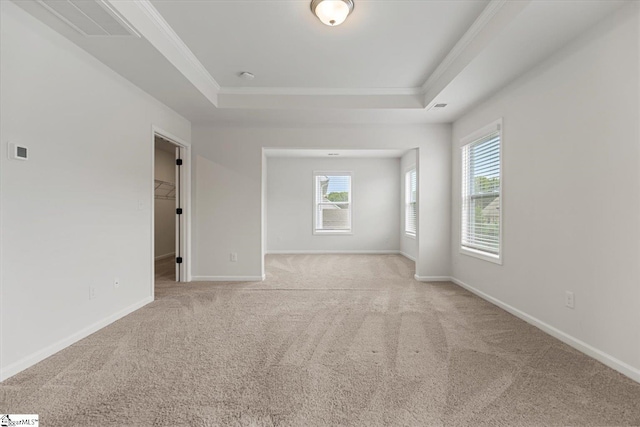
[(170, 238), (321, 186)]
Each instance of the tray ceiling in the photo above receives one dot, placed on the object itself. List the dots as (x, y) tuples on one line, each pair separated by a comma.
[(390, 62)]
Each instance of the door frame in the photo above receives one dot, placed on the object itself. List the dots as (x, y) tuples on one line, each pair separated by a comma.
[(185, 193)]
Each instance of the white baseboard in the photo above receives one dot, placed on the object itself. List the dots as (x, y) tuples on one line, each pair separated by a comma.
[(228, 278), (165, 256), (432, 278), (605, 358), (327, 252), (40, 355), (406, 255), (315, 252)]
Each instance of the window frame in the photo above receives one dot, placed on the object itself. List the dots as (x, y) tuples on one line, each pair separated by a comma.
[(321, 232), (407, 196), (475, 137)]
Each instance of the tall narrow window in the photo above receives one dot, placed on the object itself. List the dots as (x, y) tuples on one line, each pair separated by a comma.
[(332, 202), (481, 195), (410, 205)]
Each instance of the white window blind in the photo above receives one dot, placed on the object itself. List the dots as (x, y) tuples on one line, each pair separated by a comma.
[(332, 201), (410, 209), (481, 191)]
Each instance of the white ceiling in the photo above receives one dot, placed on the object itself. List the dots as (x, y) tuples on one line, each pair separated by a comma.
[(554, 24), (383, 44), (388, 63), (137, 60)]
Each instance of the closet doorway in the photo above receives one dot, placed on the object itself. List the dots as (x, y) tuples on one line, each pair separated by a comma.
[(167, 211)]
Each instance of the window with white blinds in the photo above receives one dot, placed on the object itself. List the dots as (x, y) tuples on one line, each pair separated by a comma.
[(332, 202), (410, 205), (481, 194)]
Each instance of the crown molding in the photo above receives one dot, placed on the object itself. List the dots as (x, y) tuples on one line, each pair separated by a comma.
[(155, 17), (320, 99), (467, 38), (319, 91), (483, 20), (147, 21)]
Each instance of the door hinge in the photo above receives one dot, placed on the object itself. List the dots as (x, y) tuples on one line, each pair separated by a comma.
[(179, 260), (179, 211), (179, 162)]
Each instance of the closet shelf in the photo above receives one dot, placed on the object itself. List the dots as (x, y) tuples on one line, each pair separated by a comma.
[(165, 190)]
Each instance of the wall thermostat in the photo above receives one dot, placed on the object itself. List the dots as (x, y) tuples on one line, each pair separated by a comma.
[(17, 152)]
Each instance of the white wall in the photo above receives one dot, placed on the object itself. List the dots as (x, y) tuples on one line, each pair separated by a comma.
[(227, 189), (165, 210), (571, 205), (375, 200), (408, 244), (77, 214)]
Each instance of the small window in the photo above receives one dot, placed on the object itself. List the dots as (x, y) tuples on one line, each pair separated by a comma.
[(481, 195), (410, 205), (332, 202)]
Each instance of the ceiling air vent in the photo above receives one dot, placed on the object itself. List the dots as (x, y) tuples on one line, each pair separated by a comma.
[(91, 18)]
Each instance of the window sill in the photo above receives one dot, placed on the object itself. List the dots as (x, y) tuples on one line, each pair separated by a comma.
[(332, 233), (496, 259)]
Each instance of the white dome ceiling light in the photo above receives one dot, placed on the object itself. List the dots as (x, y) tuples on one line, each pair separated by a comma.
[(332, 12)]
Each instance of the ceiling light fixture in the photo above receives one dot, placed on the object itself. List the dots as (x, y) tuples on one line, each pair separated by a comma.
[(332, 12)]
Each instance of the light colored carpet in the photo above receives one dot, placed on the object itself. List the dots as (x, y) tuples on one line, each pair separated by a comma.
[(325, 340)]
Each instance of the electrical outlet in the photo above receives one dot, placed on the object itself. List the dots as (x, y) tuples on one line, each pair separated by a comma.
[(569, 299), (116, 283), (92, 292), (233, 256)]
